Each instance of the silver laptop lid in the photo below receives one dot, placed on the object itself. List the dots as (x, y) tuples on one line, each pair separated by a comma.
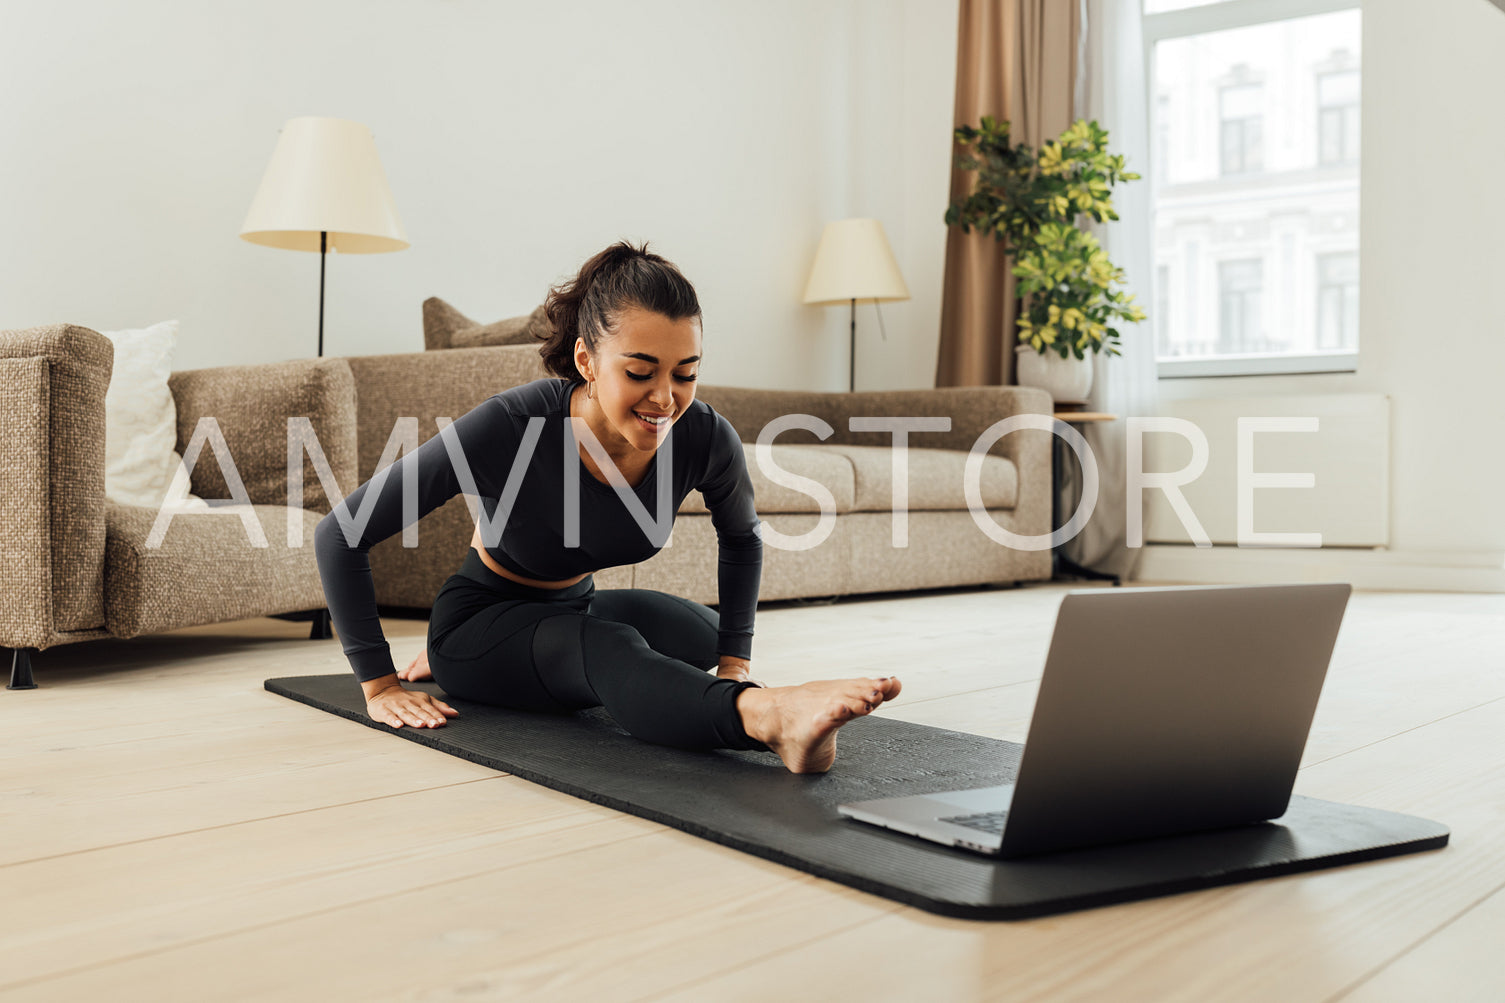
[(1171, 709)]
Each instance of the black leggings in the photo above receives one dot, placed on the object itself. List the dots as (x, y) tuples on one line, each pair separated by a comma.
[(648, 657)]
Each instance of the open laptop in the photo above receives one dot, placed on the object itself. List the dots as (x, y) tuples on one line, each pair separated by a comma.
[(1161, 710)]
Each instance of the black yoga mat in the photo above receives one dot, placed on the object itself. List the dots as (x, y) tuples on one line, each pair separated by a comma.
[(749, 801)]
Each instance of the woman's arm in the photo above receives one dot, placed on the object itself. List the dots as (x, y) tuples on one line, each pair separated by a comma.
[(371, 687), (395, 497), (732, 667), (728, 494)]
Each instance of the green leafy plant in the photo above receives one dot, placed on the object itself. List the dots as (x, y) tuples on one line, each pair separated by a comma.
[(1069, 303)]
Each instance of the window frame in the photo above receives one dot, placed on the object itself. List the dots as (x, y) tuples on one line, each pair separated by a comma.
[(1221, 16)]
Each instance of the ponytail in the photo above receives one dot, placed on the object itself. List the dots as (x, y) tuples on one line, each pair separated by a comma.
[(589, 305)]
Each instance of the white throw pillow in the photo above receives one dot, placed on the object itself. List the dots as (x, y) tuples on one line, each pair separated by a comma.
[(141, 419)]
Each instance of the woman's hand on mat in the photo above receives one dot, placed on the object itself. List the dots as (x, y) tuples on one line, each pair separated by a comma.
[(397, 706), (735, 668), (418, 669)]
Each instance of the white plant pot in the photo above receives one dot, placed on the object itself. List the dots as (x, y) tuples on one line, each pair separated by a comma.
[(1067, 379)]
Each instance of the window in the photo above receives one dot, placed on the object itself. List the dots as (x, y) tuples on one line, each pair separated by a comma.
[(1338, 117), (1255, 110), (1162, 129), (1240, 286), (1162, 318), (1240, 129), (1338, 300)]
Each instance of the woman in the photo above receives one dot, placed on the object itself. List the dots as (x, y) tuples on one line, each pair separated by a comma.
[(521, 624)]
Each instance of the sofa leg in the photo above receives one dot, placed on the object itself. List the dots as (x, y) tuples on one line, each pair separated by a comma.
[(319, 630), (20, 670)]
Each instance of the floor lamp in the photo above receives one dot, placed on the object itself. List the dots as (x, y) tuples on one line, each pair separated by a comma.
[(325, 190), (854, 262)]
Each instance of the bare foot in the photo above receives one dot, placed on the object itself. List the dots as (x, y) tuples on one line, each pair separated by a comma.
[(418, 669), (799, 722)]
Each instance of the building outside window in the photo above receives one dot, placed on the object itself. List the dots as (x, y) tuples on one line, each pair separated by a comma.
[(1254, 180), (1338, 300), (1240, 318), (1338, 117), (1240, 128), (1162, 318), (1162, 129)]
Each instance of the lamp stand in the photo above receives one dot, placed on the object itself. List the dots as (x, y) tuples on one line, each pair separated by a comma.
[(323, 247), (852, 352)]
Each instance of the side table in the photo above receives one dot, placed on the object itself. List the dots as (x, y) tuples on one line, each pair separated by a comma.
[(1073, 413)]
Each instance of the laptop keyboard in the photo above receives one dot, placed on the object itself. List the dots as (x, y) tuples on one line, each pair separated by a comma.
[(985, 821)]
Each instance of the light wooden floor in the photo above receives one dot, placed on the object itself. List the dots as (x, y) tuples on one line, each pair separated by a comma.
[(173, 831)]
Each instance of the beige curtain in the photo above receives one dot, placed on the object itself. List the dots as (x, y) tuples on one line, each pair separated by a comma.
[(1015, 60)]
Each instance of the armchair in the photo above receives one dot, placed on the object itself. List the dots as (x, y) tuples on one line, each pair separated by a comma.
[(79, 563)]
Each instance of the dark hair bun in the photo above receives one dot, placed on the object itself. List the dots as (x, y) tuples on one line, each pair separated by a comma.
[(589, 305)]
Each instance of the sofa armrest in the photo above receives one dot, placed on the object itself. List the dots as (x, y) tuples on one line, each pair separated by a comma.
[(53, 382), (252, 404)]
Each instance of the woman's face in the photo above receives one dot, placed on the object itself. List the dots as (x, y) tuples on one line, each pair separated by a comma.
[(646, 370)]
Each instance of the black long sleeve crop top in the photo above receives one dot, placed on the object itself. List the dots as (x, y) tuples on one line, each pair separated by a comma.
[(519, 450)]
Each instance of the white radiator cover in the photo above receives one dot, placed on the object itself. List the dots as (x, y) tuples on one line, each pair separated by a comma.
[(1348, 456)]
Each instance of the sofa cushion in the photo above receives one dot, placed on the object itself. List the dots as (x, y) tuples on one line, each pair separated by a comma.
[(206, 569), (687, 566), (936, 478), (446, 327), (251, 404), (942, 549), (816, 462), (427, 386), (141, 417)]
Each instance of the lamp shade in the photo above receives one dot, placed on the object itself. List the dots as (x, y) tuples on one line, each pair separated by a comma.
[(325, 177), (854, 261)]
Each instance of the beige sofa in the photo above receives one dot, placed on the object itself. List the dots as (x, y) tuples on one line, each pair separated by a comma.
[(80, 568), (945, 546)]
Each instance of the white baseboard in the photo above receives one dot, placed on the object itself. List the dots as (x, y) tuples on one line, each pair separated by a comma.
[(1364, 568)]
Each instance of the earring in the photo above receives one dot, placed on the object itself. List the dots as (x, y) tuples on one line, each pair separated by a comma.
[(590, 390)]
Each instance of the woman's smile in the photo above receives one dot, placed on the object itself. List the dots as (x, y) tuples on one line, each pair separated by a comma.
[(652, 421)]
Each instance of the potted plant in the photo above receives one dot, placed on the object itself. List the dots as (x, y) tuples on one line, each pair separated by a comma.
[(1068, 301)]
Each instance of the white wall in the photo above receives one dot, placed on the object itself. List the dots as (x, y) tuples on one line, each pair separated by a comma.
[(904, 178), (1431, 333), (518, 138)]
